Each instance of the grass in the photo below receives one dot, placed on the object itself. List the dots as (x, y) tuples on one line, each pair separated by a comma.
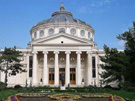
[(7, 93), (124, 94)]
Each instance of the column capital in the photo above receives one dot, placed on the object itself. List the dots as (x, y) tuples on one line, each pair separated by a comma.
[(67, 52), (78, 52), (56, 52), (45, 52), (34, 52), (89, 52)]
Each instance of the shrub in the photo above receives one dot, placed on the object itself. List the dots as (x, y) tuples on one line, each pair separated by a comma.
[(2, 86), (130, 89), (108, 86), (17, 86)]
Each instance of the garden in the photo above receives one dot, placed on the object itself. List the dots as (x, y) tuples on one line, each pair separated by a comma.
[(47, 93)]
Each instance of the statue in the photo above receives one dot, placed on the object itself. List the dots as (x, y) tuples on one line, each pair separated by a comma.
[(62, 78)]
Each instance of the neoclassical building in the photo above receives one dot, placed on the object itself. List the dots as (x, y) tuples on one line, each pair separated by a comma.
[(60, 44)]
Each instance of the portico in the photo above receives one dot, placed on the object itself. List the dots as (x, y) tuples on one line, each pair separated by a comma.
[(55, 62)]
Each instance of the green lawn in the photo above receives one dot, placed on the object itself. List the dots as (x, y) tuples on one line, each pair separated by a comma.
[(124, 94), (7, 93)]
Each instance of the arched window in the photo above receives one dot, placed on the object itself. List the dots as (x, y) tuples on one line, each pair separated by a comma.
[(62, 30), (73, 31), (51, 31), (82, 32), (41, 33)]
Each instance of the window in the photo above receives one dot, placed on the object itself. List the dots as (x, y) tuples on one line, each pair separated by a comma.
[(73, 31), (82, 32), (93, 67), (30, 65), (41, 33), (62, 30), (89, 35), (35, 34), (51, 31)]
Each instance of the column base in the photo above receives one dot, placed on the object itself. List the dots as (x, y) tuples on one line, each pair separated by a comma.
[(62, 88)]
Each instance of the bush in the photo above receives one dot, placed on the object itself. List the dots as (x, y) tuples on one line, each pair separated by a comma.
[(17, 86), (2, 86), (130, 89)]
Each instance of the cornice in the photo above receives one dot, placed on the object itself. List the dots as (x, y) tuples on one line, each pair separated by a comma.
[(46, 26)]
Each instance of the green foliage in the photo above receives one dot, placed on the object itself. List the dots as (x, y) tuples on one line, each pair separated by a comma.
[(115, 65), (10, 62), (2, 86), (120, 66), (129, 38)]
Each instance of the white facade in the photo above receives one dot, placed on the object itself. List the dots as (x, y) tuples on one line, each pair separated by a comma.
[(58, 46)]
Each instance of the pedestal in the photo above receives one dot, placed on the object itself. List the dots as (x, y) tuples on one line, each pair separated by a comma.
[(62, 88)]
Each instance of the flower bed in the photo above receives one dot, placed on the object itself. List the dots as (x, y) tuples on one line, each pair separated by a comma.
[(112, 97), (97, 95), (31, 95), (116, 98), (64, 97)]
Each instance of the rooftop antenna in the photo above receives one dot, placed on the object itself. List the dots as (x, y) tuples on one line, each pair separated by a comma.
[(61, 4), (62, 8)]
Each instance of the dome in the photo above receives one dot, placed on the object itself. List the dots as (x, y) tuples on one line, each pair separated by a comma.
[(62, 16)]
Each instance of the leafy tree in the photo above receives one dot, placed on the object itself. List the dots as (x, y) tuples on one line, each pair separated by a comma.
[(10, 62), (120, 65), (129, 38), (114, 65)]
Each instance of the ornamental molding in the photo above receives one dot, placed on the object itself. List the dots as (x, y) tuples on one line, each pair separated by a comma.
[(34, 52), (67, 52), (89, 52), (78, 52), (56, 52), (45, 52)]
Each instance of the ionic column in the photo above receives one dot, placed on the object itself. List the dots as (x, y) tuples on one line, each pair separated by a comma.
[(78, 69), (45, 69), (34, 71), (67, 67), (56, 81), (89, 67)]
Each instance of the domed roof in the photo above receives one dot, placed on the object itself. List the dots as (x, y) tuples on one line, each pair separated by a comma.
[(62, 16)]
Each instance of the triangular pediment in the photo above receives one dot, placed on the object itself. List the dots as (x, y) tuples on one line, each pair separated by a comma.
[(61, 39)]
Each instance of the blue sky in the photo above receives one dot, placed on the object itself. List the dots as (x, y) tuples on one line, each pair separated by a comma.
[(108, 18)]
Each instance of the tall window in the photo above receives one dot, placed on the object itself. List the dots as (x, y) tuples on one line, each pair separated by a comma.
[(30, 65), (93, 67)]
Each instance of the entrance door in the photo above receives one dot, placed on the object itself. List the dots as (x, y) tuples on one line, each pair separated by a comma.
[(61, 70), (51, 75), (72, 76)]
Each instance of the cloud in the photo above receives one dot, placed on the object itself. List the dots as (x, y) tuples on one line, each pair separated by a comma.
[(99, 3), (94, 7), (83, 9), (121, 43)]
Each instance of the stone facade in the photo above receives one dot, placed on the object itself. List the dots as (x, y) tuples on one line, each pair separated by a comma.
[(60, 46)]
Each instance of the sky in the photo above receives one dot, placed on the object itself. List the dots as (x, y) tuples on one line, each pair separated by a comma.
[(109, 18)]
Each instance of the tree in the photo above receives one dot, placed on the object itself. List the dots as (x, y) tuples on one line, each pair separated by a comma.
[(129, 38), (120, 65), (114, 65), (10, 62)]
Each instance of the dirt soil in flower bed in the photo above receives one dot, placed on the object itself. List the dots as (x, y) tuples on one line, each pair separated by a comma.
[(46, 98), (37, 99), (94, 99)]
